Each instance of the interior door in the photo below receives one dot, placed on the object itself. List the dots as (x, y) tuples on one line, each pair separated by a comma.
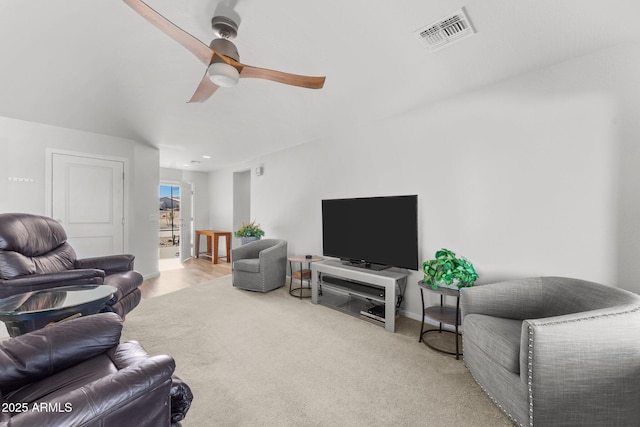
[(88, 200), (186, 221)]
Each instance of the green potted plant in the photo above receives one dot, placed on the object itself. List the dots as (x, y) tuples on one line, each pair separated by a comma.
[(449, 271), (249, 232)]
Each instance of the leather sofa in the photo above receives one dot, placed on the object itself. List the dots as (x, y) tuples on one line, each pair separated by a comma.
[(260, 265), (35, 255), (77, 373), (554, 351)]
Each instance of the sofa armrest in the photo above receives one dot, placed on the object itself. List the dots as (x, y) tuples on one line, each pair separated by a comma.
[(137, 396), (584, 366), (37, 282), (131, 353), (43, 352), (110, 263), (181, 398)]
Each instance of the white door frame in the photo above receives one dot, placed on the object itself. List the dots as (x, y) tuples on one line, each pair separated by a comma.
[(48, 193), (186, 226)]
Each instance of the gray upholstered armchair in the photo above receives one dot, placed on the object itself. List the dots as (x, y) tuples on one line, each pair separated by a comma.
[(260, 265), (554, 351)]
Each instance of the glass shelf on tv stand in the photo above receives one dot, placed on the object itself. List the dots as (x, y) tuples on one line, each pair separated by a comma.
[(356, 291), (356, 300)]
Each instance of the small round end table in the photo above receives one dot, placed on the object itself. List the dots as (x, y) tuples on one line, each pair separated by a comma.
[(302, 273), (443, 314)]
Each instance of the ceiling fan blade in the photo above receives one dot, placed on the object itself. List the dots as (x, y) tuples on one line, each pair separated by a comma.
[(248, 71), (199, 49), (308, 82), (205, 89)]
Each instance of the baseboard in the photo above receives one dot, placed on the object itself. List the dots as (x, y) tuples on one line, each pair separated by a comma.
[(151, 276)]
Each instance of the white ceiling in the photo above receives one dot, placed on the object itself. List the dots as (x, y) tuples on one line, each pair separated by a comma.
[(98, 66)]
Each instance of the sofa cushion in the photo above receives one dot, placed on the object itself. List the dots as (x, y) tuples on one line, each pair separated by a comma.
[(251, 265), (15, 264), (30, 235), (498, 338)]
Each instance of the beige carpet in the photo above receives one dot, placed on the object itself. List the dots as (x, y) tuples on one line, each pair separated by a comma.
[(270, 359)]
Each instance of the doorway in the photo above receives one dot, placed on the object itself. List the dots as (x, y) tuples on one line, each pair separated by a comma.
[(175, 223), (169, 221)]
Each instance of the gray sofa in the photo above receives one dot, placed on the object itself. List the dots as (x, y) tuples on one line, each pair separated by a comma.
[(554, 351), (260, 265)]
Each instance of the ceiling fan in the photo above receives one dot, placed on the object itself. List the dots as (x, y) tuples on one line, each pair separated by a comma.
[(221, 56)]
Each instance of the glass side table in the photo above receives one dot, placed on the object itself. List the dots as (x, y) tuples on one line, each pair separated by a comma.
[(33, 310), (444, 315)]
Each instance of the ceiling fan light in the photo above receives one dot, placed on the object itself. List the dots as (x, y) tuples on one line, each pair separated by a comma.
[(223, 74)]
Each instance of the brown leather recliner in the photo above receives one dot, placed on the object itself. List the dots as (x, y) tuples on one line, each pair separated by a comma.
[(35, 255), (76, 373)]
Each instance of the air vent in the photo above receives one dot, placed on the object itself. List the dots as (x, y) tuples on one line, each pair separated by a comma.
[(449, 29)]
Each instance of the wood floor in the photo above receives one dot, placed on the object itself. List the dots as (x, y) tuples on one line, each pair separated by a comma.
[(175, 275)]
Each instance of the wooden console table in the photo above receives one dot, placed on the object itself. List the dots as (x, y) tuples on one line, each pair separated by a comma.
[(213, 235)]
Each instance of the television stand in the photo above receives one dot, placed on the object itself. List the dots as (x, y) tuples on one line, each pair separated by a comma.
[(364, 293)]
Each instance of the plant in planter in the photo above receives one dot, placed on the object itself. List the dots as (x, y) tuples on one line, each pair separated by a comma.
[(249, 232), (449, 271)]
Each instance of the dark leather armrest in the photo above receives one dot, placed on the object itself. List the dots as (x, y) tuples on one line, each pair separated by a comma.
[(181, 397), (110, 263), (130, 354), (36, 282), (41, 353)]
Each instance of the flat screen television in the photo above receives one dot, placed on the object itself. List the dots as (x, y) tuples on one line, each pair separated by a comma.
[(372, 232)]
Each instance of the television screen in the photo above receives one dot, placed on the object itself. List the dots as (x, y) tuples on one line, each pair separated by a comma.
[(375, 232)]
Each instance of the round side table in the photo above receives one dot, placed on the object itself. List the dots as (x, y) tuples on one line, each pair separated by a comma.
[(443, 314), (302, 273)]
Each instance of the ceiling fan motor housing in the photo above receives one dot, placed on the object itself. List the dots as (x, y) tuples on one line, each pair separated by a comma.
[(226, 48)]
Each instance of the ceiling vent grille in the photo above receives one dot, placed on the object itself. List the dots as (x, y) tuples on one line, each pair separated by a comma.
[(449, 29)]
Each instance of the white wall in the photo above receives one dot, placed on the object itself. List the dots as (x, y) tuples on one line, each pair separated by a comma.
[(221, 200), (241, 201), (523, 178), (22, 154)]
